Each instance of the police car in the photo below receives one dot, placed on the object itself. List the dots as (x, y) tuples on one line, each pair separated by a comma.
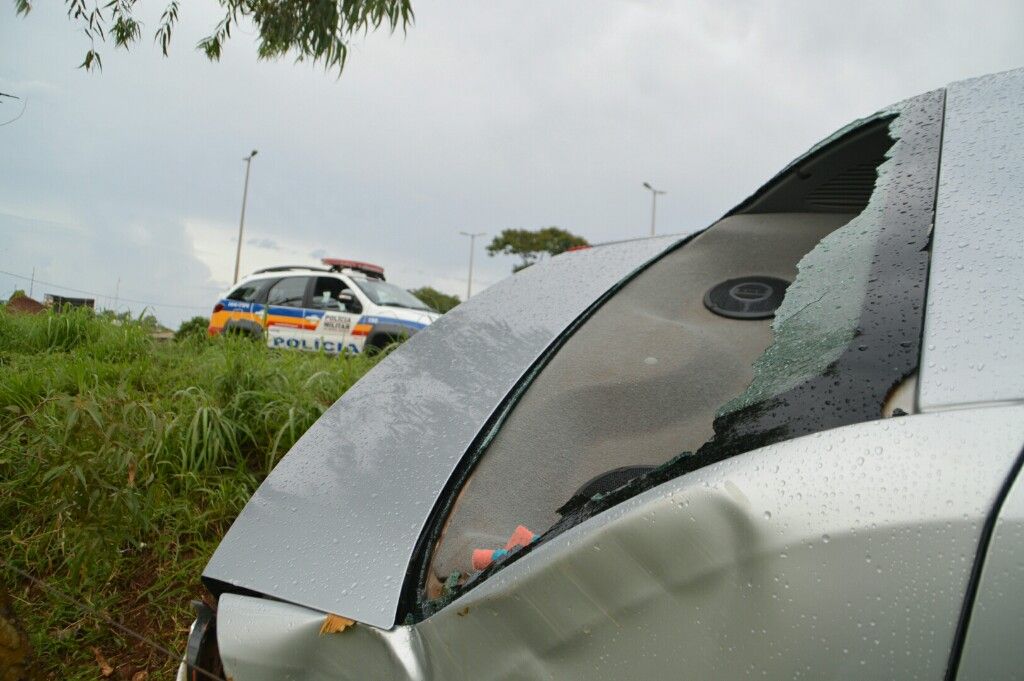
[(345, 306)]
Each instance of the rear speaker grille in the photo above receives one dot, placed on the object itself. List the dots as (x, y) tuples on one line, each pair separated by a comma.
[(849, 190)]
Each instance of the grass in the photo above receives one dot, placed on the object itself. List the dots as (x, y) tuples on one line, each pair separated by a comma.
[(122, 463)]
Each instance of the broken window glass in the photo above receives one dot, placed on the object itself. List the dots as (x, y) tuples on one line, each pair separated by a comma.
[(661, 380)]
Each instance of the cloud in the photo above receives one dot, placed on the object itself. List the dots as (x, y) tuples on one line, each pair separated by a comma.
[(268, 244), (30, 89), (481, 118)]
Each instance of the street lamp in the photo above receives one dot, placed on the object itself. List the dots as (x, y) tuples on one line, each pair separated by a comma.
[(654, 203), (472, 239), (241, 222)]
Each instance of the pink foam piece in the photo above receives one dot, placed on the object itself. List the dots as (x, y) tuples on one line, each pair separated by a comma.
[(521, 537), (482, 558)]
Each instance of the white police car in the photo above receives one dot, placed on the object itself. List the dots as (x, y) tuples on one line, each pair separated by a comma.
[(345, 306)]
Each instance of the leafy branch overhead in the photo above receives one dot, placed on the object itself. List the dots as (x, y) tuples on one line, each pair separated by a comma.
[(531, 245), (316, 30)]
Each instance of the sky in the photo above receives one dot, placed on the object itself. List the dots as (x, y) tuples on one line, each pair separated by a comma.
[(483, 116)]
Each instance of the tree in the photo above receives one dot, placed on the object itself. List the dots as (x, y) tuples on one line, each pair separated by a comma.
[(442, 302), (317, 30), (532, 245)]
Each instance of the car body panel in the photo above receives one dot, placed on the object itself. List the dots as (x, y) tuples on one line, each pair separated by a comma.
[(973, 347), (334, 526), (271, 641), (993, 647), (333, 332), (233, 312), (798, 559)]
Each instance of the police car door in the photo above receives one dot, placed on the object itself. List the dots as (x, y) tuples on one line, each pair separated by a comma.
[(286, 323), (337, 318)]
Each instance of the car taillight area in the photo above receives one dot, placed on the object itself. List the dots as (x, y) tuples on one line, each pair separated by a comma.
[(215, 328)]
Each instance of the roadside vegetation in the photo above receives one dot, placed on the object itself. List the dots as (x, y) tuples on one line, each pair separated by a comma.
[(441, 302), (123, 460)]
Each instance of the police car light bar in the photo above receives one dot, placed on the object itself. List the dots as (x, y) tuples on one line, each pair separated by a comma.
[(369, 269)]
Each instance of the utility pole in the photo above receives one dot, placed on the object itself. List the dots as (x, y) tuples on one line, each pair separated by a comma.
[(117, 293), (32, 283), (472, 240), (654, 203), (241, 222)]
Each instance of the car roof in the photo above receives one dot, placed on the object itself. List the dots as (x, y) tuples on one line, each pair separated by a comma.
[(280, 273)]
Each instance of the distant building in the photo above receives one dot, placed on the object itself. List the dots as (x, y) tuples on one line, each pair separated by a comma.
[(24, 305), (59, 302)]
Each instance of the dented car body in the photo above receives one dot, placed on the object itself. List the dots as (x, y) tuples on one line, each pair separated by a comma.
[(784, 445)]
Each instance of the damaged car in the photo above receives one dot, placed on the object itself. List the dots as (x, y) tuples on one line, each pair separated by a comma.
[(783, 446)]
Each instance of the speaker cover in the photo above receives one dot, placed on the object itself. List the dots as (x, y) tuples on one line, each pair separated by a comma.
[(753, 297)]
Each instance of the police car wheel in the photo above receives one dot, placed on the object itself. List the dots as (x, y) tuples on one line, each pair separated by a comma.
[(379, 343)]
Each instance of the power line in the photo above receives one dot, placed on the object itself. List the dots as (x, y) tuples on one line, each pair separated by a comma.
[(24, 103), (104, 295)]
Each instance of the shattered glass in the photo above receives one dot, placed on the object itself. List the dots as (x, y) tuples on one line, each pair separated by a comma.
[(818, 318), (847, 333), (815, 378)]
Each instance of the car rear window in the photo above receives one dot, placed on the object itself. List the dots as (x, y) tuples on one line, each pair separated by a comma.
[(246, 292), (658, 382)]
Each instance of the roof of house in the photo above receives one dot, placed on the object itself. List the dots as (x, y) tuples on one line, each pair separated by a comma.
[(25, 305)]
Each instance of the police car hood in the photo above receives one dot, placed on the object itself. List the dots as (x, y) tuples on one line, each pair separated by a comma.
[(335, 524), (404, 314)]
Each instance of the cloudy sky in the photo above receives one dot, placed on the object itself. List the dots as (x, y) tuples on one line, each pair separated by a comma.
[(486, 115)]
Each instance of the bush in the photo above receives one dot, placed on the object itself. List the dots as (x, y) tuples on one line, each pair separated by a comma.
[(442, 302), (194, 328)]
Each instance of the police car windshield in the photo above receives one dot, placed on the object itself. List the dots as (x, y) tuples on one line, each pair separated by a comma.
[(383, 293)]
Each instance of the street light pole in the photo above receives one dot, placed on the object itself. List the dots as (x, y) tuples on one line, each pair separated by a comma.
[(654, 203), (241, 222), (472, 239)]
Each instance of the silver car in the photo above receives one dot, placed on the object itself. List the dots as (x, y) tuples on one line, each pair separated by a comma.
[(783, 446)]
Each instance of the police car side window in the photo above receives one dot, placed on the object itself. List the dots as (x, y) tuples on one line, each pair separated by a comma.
[(325, 294), (288, 292)]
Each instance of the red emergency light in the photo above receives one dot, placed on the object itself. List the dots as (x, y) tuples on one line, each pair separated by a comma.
[(367, 268)]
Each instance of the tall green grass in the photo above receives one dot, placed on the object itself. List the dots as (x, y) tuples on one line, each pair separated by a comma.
[(122, 463)]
